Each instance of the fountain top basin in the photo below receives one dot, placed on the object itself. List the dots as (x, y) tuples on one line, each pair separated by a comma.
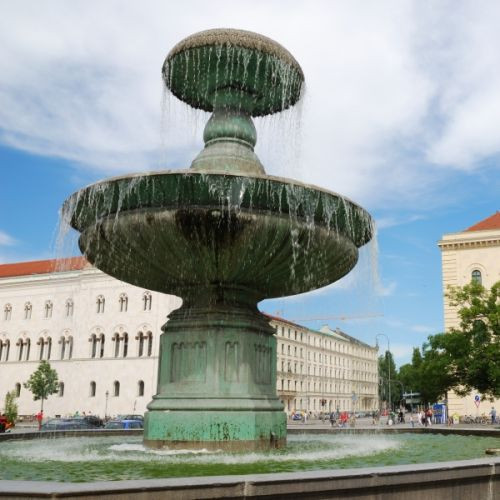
[(233, 69)]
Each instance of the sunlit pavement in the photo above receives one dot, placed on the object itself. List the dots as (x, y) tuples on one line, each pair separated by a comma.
[(361, 423)]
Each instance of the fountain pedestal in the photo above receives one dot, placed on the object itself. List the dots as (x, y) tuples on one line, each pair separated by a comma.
[(217, 376)]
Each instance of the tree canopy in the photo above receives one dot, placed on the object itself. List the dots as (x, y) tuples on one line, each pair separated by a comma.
[(43, 382), (465, 359)]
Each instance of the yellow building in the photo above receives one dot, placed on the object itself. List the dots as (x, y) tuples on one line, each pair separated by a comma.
[(473, 254)]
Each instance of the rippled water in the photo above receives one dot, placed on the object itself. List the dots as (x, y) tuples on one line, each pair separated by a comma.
[(115, 458)]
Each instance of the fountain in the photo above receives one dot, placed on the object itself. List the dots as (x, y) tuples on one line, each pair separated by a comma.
[(222, 235)]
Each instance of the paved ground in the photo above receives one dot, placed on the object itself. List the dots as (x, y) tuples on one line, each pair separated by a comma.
[(361, 423)]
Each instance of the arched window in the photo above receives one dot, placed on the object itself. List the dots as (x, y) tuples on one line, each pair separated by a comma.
[(123, 302), (101, 345), (140, 388), (48, 309), (18, 389), (146, 301), (4, 350), (116, 340), (125, 344), (28, 309), (92, 389), (149, 336), (61, 389), (116, 388), (476, 277), (48, 342), (100, 303), (27, 345), (69, 347), (93, 346), (69, 307), (7, 312), (20, 350), (62, 341), (140, 347)]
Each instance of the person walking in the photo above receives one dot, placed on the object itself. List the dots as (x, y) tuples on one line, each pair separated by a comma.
[(493, 414), (332, 419), (39, 419)]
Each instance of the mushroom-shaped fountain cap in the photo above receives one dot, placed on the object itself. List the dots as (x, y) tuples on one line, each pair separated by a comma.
[(233, 69)]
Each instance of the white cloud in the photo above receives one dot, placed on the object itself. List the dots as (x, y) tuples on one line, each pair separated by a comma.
[(6, 239), (424, 329), (390, 85)]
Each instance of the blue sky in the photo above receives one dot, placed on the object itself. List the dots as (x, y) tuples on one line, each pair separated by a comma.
[(401, 115)]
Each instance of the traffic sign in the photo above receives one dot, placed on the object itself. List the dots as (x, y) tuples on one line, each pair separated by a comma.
[(477, 400)]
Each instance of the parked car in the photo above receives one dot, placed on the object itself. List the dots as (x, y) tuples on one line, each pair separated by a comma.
[(130, 417), (296, 416), (124, 424), (94, 420), (66, 424)]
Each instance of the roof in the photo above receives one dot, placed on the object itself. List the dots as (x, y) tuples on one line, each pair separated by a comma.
[(42, 267), (491, 222)]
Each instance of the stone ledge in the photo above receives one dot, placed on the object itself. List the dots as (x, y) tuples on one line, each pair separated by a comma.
[(466, 479)]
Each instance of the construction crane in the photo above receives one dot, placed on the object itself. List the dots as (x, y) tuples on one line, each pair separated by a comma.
[(329, 318)]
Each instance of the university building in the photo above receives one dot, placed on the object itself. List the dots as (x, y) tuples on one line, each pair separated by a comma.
[(101, 335), (470, 255)]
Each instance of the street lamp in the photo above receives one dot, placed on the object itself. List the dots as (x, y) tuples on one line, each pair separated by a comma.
[(106, 406), (388, 364)]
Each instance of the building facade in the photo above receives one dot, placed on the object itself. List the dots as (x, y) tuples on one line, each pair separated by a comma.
[(101, 335), (325, 370), (473, 254)]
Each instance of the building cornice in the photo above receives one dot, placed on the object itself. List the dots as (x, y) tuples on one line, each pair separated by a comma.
[(466, 242)]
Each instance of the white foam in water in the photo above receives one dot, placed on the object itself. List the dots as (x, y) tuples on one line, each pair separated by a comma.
[(315, 448)]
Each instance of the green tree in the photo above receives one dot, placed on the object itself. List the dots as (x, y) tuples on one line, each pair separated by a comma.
[(10, 407), (470, 354), (43, 382), (387, 372)]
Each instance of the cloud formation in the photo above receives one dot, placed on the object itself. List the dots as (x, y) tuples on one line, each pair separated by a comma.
[(400, 93)]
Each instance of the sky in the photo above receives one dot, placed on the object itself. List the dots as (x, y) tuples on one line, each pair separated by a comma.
[(401, 114)]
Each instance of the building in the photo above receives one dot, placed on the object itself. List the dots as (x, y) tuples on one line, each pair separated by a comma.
[(473, 254), (325, 370), (101, 335)]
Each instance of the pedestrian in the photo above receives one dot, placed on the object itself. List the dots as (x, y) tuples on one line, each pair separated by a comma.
[(493, 414), (412, 420), (39, 419), (332, 419)]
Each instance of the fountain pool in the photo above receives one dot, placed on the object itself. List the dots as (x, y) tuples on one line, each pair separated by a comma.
[(84, 459)]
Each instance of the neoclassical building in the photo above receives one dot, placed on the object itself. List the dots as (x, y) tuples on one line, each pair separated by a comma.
[(324, 370), (102, 337), (472, 254)]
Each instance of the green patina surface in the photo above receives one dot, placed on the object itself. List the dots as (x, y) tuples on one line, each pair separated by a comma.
[(220, 426), (222, 236)]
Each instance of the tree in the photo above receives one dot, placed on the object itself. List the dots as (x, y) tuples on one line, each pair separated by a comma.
[(43, 382), (10, 407), (386, 367), (467, 357), (473, 349)]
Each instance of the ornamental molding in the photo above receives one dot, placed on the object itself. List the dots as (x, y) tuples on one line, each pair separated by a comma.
[(468, 244)]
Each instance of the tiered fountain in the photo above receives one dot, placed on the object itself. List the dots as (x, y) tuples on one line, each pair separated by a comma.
[(222, 235)]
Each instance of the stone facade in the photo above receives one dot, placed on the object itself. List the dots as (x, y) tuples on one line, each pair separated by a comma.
[(102, 337), (325, 370), (466, 255)]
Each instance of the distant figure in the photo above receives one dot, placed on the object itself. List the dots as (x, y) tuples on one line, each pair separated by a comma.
[(493, 414), (39, 419), (332, 419)]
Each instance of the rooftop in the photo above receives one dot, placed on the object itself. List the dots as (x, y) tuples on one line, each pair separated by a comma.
[(491, 222), (42, 267)]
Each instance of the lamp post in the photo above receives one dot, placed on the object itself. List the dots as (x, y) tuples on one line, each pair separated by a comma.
[(388, 364), (106, 406)]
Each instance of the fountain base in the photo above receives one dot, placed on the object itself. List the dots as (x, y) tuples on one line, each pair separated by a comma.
[(217, 378)]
